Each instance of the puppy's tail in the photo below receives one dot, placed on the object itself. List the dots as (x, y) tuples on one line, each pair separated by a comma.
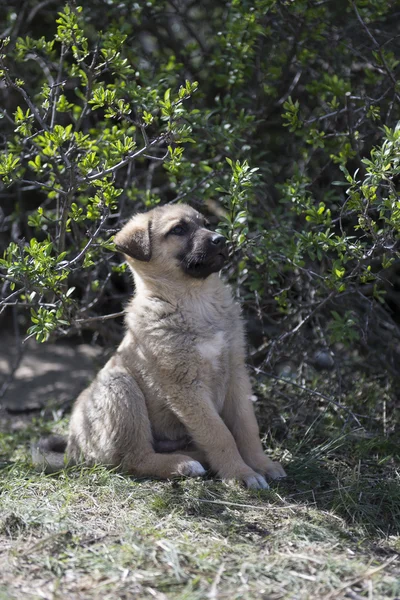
[(48, 454)]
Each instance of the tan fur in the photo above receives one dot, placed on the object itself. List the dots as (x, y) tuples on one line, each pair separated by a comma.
[(179, 373)]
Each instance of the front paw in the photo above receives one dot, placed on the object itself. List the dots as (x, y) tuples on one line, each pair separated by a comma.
[(266, 466), (255, 482), (248, 477)]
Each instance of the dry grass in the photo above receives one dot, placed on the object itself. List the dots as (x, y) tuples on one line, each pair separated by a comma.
[(331, 531), (91, 534)]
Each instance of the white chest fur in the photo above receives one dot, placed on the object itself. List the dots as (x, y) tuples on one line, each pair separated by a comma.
[(211, 348)]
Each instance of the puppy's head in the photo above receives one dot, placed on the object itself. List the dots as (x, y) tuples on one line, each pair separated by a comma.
[(173, 241)]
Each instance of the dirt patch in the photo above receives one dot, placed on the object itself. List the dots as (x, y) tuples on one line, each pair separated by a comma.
[(48, 374)]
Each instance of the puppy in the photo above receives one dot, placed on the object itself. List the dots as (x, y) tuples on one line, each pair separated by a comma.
[(175, 398)]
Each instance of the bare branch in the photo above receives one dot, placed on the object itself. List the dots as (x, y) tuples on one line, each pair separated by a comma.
[(56, 88), (20, 90), (194, 188), (101, 318), (7, 301), (128, 159), (378, 49), (66, 264), (90, 78), (284, 336), (309, 391)]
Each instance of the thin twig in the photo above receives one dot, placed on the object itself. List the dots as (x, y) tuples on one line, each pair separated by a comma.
[(257, 370), (307, 318), (102, 318), (128, 159), (289, 91), (255, 507), (7, 116), (56, 89), (189, 27), (90, 79), (50, 538), (194, 188), (378, 49), (13, 85), (7, 300), (213, 593), (366, 575), (64, 265), (144, 134), (332, 114), (44, 185)]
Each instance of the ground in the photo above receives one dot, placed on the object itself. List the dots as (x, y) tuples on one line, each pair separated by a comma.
[(330, 531)]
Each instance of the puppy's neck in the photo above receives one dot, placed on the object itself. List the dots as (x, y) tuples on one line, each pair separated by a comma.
[(177, 291)]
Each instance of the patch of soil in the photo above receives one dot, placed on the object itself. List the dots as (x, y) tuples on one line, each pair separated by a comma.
[(48, 374)]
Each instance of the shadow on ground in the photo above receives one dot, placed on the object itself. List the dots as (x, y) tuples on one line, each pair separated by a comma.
[(48, 374)]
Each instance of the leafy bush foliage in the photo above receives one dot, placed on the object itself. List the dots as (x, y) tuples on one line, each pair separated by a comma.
[(277, 118)]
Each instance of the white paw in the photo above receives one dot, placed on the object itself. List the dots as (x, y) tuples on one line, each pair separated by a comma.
[(192, 468), (255, 482)]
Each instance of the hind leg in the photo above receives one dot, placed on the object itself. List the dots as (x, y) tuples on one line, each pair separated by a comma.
[(197, 455), (110, 425)]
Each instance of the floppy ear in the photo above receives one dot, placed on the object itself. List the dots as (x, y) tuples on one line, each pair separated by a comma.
[(134, 239)]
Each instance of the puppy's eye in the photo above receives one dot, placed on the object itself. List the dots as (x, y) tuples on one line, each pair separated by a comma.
[(178, 230)]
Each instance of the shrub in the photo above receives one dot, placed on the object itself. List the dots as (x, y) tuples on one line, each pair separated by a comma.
[(289, 140)]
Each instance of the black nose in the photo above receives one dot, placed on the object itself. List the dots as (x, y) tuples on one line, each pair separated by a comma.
[(218, 240)]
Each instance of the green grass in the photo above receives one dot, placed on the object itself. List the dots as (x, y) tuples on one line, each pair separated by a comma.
[(330, 531)]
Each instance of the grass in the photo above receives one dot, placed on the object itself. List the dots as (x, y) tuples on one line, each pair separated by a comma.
[(330, 531)]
